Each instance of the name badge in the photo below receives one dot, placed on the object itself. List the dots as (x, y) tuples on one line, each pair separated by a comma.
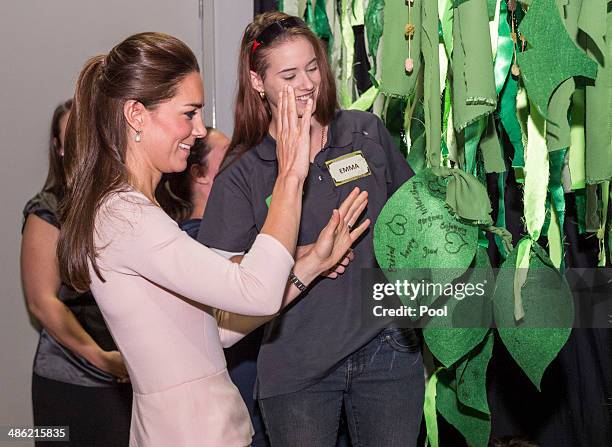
[(347, 168)]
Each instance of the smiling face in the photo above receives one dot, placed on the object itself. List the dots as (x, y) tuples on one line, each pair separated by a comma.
[(171, 128), (294, 63)]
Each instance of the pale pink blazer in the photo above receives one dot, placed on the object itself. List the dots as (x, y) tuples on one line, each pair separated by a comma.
[(172, 305)]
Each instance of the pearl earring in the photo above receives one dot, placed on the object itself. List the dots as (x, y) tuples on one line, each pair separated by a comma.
[(263, 95), (137, 137)]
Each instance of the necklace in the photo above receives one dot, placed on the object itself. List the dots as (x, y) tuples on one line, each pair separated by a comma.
[(323, 136)]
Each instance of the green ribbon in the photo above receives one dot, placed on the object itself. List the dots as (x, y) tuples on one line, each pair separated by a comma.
[(466, 196), (577, 142), (472, 134), (557, 202), (473, 82), (367, 98), (429, 410), (316, 18), (491, 149), (431, 59), (598, 128), (505, 50), (348, 53), (502, 244), (536, 185), (374, 22), (445, 15), (601, 232)]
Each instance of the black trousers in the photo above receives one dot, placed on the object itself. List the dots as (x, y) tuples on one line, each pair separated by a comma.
[(97, 416)]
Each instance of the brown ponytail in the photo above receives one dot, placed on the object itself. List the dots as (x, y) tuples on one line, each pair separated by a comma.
[(146, 67)]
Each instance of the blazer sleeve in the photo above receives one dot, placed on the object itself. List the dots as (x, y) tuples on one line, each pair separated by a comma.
[(139, 238)]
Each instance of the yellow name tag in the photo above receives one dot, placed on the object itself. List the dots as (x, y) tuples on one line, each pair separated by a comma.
[(347, 168)]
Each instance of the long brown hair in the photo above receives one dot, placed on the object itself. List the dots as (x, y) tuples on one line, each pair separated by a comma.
[(56, 180), (252, 114), (146, 67)]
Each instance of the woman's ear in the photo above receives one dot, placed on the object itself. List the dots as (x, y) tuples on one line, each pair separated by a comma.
[(134, 113), (256, 82), (198, 175)]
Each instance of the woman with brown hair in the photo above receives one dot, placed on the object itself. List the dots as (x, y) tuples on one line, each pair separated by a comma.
[(317, 356), (171, 303), (78, 375)]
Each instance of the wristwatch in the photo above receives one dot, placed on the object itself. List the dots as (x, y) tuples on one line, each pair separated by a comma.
[(296, 282)]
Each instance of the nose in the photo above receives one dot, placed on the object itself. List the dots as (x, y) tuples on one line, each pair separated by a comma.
[(306, 83), (199, 129)]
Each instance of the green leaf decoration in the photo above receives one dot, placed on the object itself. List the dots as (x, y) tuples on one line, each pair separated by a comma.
[(451, 338), (552, 57), (416, 231), (471, 376), (474, 425), (536, 340)]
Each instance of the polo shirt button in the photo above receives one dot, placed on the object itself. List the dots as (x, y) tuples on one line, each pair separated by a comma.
[(320, 178), (364, 132)]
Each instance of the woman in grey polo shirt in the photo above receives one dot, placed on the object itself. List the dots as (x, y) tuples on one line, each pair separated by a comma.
[(318, 356)]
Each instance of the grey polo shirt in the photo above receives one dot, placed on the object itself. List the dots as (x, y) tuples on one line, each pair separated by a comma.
[(318, 331)]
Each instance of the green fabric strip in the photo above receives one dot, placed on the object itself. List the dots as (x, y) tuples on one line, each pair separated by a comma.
[(429, 410), (374, 22), (601, 233), (537, 173), (505, 49), (557, 124), (473, 80), (507, 115), (357, 15), (491, 148), (520, 275), (591, 215), (577, 142), (581, 210), (500, 222), (365, 101), (552, 57), (599, 116), (472, 134), (348, 51), (592, 21), (431, 59), (555, 239), (445, 15), (395, 81), (557, 205)]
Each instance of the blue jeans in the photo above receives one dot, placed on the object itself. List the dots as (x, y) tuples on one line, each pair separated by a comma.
[(382, 387)]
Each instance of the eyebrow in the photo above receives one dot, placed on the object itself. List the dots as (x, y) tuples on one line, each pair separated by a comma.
[(293, 68), (195, 104)]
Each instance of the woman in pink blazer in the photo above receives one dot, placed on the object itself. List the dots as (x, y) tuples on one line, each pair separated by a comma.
[(172, 304)]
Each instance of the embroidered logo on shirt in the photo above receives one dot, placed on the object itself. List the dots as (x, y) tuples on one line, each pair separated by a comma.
[(347, 168)]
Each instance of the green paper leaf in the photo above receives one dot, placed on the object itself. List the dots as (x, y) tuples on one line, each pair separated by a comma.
[(536, 340), (471, 376), (451, 338), (553, 56), (472, 424), (416, 230)]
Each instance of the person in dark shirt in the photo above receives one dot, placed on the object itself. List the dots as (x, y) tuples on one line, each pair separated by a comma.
[(79, 376), (183, 195), (318, 356)]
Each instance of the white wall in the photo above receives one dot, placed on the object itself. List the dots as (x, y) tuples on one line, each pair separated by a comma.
[(43, 45), (224, 23)]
